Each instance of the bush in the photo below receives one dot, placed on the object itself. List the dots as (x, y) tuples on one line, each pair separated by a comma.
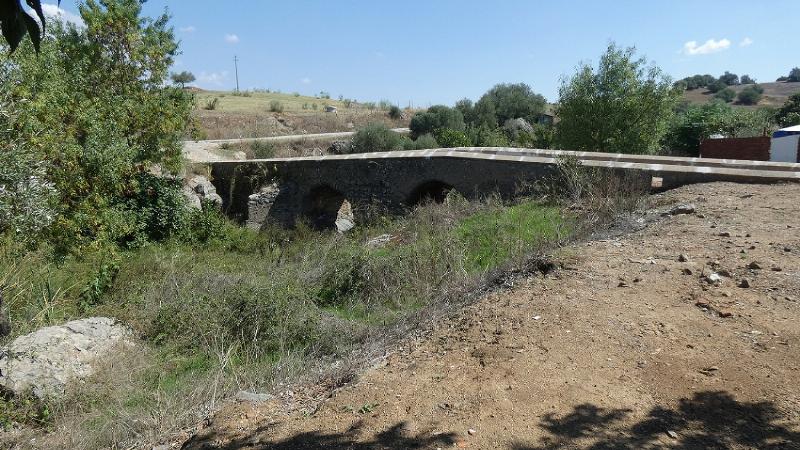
[(376, 137), (746, 79), (484, 136), (509, 101), (275, 106), (448, 138), (436, 118), (789, 113), (102, 116), (794, 75), (716, 86), (395, 112), (262, 149), (426, 141), (750, 95), (726, 95), (211, 104)]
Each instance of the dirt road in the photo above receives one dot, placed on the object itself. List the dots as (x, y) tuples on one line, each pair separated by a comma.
[(629, 346)]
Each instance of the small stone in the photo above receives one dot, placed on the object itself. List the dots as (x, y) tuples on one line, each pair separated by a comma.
[(713, 278), (776, 269), (745, 283), (787, 249), (725, 314), (725, 273), (683, 258), (471, 432), (687, 271), (703, 304), (672, 434), (725, 234), (637, 280), (537, 317), (622, 284), (682, 209), (754, 266), (701, 216)]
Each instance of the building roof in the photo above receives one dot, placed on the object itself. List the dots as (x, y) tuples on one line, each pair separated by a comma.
[(789, 131)]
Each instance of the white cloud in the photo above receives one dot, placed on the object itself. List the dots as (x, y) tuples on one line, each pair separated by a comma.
[(306, 80), (213, 79), (711, 46), (189, 29), (746, 42), (231, 39), (54, 12)]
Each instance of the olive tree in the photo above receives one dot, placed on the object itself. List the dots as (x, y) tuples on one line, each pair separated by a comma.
[(622, 106)]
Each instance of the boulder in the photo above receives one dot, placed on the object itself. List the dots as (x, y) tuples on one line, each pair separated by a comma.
[(515, 127), (48, 360), (199, 188)]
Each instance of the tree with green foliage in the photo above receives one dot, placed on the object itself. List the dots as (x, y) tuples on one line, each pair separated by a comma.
[(94, 107), (750, 95), (16, 23), (182, 78), (716, 86), (376, 137), (435, 118), (730, 79), (510, 101), (624, 106), (789, 114), (450, 138), (700, 122), (395, 112), (726, 95), (794, 75), (746, 79)]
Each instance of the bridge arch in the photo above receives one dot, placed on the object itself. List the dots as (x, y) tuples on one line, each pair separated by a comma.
[(325, 208), (429, 191)]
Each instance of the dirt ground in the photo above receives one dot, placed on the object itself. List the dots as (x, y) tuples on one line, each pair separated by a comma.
[(627, 346)]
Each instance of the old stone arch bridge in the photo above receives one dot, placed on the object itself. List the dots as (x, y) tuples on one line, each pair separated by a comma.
[(319, 189)]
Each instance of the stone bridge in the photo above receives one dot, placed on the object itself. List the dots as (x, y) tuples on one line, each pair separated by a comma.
[(320, 190)]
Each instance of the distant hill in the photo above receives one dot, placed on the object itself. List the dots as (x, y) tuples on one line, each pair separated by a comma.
[(775, 94)]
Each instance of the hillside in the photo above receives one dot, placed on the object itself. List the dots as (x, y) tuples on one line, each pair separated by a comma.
[(227, 115), (775, 94)]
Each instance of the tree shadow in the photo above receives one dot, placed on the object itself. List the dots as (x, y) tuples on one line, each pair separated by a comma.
[(394, 438), (709, 420)]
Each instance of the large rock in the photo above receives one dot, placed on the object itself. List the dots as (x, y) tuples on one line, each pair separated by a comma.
[(46, 361), (199, 188)]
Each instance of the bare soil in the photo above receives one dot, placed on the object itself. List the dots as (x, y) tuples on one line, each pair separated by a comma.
[(625, 347), (775, 94)]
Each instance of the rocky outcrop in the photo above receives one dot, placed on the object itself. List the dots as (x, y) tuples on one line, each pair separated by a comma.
[(198, 189), (47, 361)]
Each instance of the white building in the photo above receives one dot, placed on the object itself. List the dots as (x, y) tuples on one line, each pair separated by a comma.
[(785, 145)]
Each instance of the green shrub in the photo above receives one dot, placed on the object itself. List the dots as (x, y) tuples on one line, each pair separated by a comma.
[(211, 104), (726, 95), (426, 141), (789, 113), (484, 136), (262, 149), (716, 86), (750, 95), (435, 118), (275, 106), (376, 137), (101, 115), (508, 101), (448, 138), (395, 112)]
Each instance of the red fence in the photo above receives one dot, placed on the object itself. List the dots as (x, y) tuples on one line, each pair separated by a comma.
[(753, 149)]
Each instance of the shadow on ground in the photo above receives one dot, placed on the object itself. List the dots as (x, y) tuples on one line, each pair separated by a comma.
[(709, 420), (395, 438)]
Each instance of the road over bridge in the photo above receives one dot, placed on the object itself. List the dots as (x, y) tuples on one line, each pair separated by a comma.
[(315, 189)]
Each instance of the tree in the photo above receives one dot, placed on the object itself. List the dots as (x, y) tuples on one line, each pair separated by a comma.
[(182, 78), (512, 101), (789, 114), (93, 105), (750, 95), (726, 95), (794, 75), (746, 79), (716, 86), (436, 118), (730, 79), (624, 106)]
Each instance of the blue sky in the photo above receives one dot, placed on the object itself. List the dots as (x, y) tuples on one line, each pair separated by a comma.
[(426, 52)]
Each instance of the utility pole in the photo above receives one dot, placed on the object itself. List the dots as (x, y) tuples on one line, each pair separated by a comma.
[(236, 66)]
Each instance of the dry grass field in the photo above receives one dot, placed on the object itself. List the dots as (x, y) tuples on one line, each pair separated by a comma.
[(227, 115), (775, 94)]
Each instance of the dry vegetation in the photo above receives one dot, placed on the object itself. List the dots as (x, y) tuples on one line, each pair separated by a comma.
[(775, 94), (262, 114)]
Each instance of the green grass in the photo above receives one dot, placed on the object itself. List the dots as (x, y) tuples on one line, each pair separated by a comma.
[(259, 102), (248, 309)]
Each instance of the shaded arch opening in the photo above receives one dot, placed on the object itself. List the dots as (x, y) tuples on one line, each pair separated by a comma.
[(325, 208), (429, 192)]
